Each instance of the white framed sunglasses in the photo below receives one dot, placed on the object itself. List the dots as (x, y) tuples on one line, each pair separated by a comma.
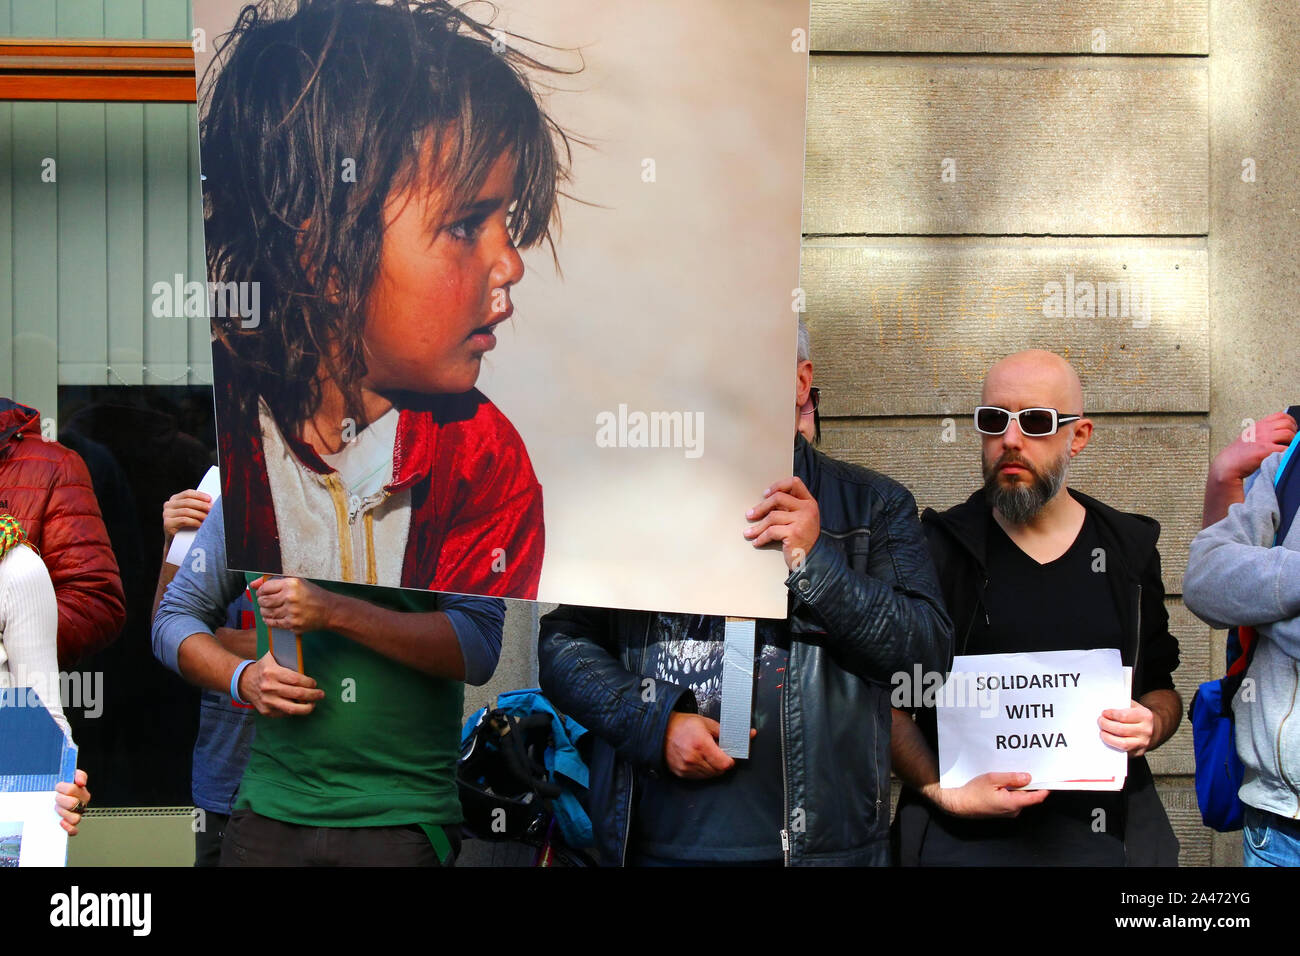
[(1034, 422)]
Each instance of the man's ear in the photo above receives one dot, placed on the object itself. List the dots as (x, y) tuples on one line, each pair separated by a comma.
[(1082, 432), (803, 380)]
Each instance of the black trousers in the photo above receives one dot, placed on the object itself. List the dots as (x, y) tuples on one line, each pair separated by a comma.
[(207, 842), (253, 840)]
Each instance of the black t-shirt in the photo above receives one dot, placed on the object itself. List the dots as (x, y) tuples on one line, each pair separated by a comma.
[(736, 817), (1064, 604)]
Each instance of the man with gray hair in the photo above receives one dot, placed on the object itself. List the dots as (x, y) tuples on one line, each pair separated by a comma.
[(1018, 564)]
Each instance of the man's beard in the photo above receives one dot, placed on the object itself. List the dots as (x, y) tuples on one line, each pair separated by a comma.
[(1020, 502)]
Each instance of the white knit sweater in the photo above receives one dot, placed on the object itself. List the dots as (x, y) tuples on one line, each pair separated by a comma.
[(29, 629)]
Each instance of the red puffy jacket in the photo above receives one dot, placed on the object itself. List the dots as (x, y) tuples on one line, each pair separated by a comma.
[(47, 488)]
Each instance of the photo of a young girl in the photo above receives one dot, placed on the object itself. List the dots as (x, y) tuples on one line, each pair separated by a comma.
[(373, 168)]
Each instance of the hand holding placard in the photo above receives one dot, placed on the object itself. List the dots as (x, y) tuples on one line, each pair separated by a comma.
[(1130, 729), (35, 757), (283, 646), (184, 540), (691, 748), (990, 796), (276, 691)]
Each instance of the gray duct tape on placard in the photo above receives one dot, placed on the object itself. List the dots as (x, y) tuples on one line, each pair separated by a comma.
[(737, 687)]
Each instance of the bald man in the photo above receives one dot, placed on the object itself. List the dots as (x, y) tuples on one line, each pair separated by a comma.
[(1018, 565)]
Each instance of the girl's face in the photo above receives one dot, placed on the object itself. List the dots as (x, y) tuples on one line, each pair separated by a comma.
[(443, 285)]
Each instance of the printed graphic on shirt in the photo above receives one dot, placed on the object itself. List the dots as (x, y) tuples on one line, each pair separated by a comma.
[(692, 657)]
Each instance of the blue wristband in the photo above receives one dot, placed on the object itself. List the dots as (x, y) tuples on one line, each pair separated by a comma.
[(234, 683)]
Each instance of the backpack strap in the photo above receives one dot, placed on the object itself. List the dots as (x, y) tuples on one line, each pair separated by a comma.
[(1287, 484)]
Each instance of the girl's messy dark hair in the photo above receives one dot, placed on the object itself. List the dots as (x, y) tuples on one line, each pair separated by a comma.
[(298, 96)]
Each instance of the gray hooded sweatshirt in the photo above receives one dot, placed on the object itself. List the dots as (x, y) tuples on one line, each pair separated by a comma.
[(1236, 576)]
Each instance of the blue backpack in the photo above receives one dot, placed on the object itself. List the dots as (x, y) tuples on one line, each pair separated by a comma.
[(1219, 770)]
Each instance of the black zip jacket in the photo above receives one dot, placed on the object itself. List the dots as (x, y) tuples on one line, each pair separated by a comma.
[(958, 540), (864, 605)]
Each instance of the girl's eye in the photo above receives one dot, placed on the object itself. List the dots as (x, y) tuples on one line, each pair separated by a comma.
[(466, 230)]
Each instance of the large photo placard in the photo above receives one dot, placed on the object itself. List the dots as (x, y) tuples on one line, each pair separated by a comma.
[(503, 296)]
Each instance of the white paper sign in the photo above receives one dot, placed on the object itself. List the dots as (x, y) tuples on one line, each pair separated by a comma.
[(1035, 714), (30, 834), (210, 485)]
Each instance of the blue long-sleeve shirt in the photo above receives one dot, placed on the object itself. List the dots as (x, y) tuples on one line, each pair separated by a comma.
[(197, 599)]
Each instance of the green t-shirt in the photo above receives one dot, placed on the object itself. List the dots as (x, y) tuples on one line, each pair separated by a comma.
[(379, 749)]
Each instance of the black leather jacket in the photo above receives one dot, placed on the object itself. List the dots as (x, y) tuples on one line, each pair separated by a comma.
[(864, 605)]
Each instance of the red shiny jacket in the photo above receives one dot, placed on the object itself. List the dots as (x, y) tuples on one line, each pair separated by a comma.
[(476, 505), (47, 488)]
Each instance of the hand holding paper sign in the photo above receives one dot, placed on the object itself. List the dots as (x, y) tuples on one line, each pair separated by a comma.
[(1130, 729), (184, 512), (71, 799), (990, 795), (37, 761), (1033, 713)]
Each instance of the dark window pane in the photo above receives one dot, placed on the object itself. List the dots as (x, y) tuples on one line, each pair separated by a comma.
[(142, 444)]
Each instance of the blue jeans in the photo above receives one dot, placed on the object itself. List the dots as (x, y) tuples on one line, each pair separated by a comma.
[(1269, 840)]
